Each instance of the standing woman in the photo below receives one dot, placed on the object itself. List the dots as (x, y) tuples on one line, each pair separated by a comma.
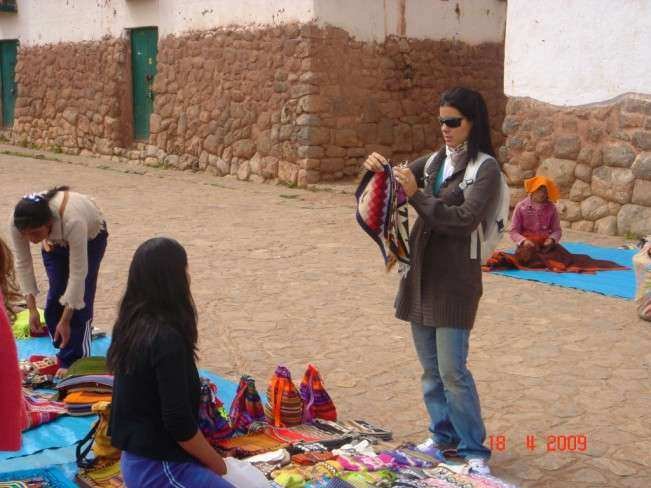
[(156, 390), (440, 294), (73, 235)]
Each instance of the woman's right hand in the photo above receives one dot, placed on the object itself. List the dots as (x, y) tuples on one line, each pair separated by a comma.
[(375, 162), (219, 466), (35, 325)]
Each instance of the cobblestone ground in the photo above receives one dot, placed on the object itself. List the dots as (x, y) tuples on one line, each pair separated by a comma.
[(286, 276)]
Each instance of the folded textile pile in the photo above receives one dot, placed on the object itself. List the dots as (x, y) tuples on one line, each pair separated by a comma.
[(86, 383)]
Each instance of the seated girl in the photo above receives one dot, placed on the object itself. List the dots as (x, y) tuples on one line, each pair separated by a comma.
[(536, 229), (155, 407), (535, 225)]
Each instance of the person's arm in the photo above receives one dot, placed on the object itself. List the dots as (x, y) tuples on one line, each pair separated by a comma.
[(516, 226), (461, 219), (23, 263), (172, 378)]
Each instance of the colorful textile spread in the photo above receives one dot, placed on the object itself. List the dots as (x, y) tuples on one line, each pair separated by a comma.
[(104, 474), (36, 478), (40, 408), (284, 407), (246, 407), (249, 445), (553, 258), (213, 419), (382, 213), (38, 370), (316, 401)]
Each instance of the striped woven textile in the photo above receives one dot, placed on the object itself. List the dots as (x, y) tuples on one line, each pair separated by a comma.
[(317, 404), (284, 407), (40, 409), (382, 213)]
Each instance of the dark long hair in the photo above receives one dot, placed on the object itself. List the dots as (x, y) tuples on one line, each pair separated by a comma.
[(157, 297), (472, 106), (33, 210)]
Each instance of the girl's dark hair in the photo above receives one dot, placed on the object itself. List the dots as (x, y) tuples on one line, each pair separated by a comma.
[(472, 106), (33, 210), (157, 297)]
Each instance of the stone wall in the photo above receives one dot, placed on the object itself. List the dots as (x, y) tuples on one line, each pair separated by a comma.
[(73, 96), (295, 102), (307, 104), (600, 156)]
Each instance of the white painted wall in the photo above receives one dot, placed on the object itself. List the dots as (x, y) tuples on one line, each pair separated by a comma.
[(478, 20), (575, 52), (51, 21)]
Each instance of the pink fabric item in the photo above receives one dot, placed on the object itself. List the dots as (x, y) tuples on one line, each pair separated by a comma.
[(535, 218), (13, 417)]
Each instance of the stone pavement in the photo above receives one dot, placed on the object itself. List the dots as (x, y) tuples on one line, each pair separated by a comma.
[(282, 275)]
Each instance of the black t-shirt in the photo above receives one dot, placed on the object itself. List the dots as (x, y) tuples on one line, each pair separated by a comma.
[(157, 404)]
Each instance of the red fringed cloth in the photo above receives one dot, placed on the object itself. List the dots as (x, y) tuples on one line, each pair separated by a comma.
[(552, 258)]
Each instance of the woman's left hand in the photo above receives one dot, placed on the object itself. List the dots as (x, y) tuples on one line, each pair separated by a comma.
[(62, 333), (407, 180)]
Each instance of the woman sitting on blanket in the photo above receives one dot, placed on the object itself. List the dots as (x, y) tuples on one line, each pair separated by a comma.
[(535, 225), (155, 406), (12, 412)]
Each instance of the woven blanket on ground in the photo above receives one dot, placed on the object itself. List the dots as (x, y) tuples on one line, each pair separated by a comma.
[(556, 258), (105, 474), (36, 478), (40, 409), (249, 445), (382, 213)]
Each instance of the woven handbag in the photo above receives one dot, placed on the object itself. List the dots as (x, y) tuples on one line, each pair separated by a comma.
[(284, 407), (317, 403), (247, 406), (213, 420)]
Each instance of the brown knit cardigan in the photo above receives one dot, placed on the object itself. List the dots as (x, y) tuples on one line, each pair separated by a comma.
[(443, 285)]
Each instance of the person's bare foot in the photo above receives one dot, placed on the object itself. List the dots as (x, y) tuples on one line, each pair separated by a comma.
[(61, 372)]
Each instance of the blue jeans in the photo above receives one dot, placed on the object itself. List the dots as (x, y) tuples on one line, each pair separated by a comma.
[(141, 472), (449, 390)]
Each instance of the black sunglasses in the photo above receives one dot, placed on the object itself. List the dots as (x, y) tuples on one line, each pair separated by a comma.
[(451, 122)]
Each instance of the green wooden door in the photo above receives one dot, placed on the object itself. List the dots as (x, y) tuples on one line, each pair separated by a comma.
[(7, 77), (144, 47)]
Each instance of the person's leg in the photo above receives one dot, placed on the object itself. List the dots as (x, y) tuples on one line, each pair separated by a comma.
[(460, 392), (140, 472), (425, 342), (79, 344), (56, 264)]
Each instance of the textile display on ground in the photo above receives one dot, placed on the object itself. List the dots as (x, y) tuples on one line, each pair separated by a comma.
[(382, 212), (615, 283), (50, 444), (36, 478)]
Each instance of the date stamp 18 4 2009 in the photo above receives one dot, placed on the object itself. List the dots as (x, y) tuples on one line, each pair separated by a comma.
[(551, 443)]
